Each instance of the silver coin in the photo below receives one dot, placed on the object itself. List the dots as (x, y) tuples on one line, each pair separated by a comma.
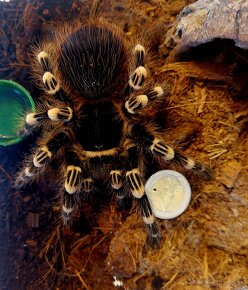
[(169, 193)]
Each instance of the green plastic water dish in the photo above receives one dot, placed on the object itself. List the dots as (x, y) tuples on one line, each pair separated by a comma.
[(15, 103)]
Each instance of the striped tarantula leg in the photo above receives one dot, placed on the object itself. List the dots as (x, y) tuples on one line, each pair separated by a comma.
[(72, 185), (41, 159), (25, 175), (135, 104), (133, 174), (139, 75), (163, 152), (117, 184), (73, 178), (167, 153), (139, 55), (33, 120), (134, 180), (69, 203), (193, 165), (116, 179), (149, 219), (87, 184), (50, 82)]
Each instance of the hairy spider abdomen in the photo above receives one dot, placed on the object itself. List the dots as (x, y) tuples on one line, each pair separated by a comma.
[(93, 61), (99, 127)]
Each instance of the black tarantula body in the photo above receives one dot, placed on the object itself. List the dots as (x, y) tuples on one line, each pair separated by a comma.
[(94, 118)]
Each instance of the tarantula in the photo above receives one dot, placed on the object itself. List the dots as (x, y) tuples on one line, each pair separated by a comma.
[(95, 118)]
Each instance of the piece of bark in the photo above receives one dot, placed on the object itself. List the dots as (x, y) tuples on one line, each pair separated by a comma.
[(206, 20)]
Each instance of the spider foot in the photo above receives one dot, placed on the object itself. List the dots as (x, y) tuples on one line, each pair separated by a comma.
[(193, 165), (153, 235), (69, 203)]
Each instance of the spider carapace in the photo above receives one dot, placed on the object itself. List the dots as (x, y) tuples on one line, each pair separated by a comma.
[(95, 114)]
